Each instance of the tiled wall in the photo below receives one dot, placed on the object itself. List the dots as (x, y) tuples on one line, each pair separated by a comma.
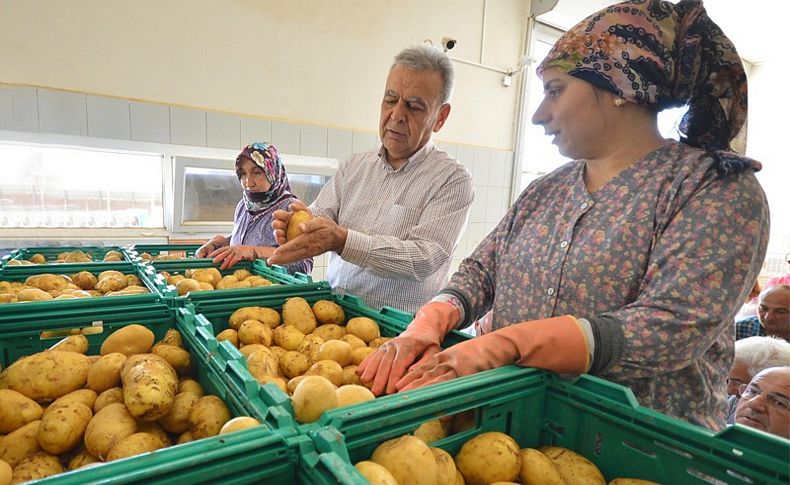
[(40, 110)]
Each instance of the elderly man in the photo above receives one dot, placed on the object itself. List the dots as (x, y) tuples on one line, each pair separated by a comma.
[(391, 217), (752, 355), (765, 402), (773, 315)]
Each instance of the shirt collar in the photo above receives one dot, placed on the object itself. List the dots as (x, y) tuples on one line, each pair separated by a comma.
[(413, 161)]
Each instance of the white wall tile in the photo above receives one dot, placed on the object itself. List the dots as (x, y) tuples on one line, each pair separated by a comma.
[(62, 112), (466, 155), (496, 175), (509, 160), (108, 117), (339, 144), (223, 130), (255, 130), (478, 211), (363, 141), (285, 136), (6, 110), (150, 122), (187, 126), (450, 148), (313, 141), (481, 165)]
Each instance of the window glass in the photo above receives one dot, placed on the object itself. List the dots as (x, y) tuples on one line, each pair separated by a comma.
[(210, 195), (47, 187)]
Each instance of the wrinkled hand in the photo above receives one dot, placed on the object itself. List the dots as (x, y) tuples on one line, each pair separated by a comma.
[(204, 250), (419, 343), (319, 235), (230, 255), (280, 220)]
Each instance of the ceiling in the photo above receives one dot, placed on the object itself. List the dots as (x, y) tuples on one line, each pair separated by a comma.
[(753, 25)]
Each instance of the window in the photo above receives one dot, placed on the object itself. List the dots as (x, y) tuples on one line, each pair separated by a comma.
[(54, 187)]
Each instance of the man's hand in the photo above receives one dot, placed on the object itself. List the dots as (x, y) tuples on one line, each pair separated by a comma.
[(230, 255), (319, 235)]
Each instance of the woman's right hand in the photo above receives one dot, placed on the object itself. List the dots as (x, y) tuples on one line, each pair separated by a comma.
[(204, 250)]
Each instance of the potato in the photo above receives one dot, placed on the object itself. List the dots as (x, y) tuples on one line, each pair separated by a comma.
[(326, 311), (336, 350), (37, 466), (255, 332), (154, 429), (378, 342), (177, 419), (263, 363), (211, 276), (113, 255), (431, 431), (310, 346), (6, 472), (186, 285), (134, 444), (290, 387), (48, 375), (16, 410), (108, 426), (293, 364), (408, 459), (133, 280), (82, 458), (375, 473), (178, 358), (85, 280), (277, 381), (111, 274), (38, 258), (111, 283), (241, 274), (207, 417), (184, 437), (489, 457), (632, 481), (328, 369), (63, 427), (105, 373), (33, 294), (352, 394), (288, 337), (574, 468), (174, 279), (266, 316), (47, 282), (86, 397), (363, 327), (312, 396), (19, 444), (129, 340), (350, 376), (242, 284), (445, 466), (354, 341), (8, 298), (255, 281), (358, 355), (293, 231), (227, 282), (238, 424), (172, 337), (538, 468), (202, 286), (110, 396), (297, 313), (149, 386), (72, 343), (190, 385), (330, 331), (229, 335)]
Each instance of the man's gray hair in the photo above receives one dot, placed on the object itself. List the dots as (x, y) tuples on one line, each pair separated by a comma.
[(425, 57), (759, 353)]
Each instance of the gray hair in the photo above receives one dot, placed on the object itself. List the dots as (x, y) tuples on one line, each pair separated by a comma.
[(424, 57), (759, 353)]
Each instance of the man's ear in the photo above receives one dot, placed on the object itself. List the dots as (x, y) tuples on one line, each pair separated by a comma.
[(444, 112)]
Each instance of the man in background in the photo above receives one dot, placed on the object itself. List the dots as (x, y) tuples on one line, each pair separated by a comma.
[(765, 402), (392, 217), (773, 315)]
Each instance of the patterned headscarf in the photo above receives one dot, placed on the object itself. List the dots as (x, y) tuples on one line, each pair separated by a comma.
[(267, 158), (663, 55)]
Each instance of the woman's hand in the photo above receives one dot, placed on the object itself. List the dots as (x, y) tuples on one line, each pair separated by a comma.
[(230, 255), (212, 245)]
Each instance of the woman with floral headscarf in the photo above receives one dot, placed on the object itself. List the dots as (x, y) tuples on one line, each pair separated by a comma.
[(629, 262), (266, 189)]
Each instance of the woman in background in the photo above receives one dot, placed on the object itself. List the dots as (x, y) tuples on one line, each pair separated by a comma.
[(266, 189)]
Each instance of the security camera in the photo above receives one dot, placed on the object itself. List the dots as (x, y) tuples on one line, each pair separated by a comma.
[(448, 43)]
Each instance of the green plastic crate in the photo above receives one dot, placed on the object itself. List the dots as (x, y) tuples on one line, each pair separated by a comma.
[(593, 417), (254, 455), (134, 251), (51, 254), (85, 306), (213, 318), (285, 284)]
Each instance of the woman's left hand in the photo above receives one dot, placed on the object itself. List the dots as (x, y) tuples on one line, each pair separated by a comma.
[(230, 255)]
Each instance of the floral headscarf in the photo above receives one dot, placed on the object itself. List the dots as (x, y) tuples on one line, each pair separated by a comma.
[(267, 158), (662, 55)]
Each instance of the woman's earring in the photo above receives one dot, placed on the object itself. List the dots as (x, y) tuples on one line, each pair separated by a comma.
[(618, 101)]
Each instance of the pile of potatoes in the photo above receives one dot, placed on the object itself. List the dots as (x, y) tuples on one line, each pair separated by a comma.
[(64, 287), (488, 458), (207, 279), (61, 409), (311, 354), (162, 257), (66, 257)]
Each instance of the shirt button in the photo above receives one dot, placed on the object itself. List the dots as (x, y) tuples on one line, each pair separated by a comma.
[(564, 244), (585, 205), (550, 291)]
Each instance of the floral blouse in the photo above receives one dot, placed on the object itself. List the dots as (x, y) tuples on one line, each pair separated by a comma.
[(657, 260)]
